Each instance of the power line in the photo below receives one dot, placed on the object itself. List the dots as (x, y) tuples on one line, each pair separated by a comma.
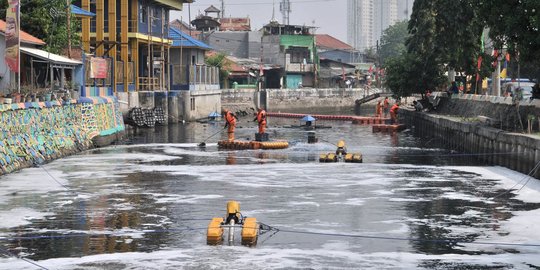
[(271, 3)]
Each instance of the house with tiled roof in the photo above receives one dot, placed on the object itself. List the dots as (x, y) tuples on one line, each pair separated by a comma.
[(334, 49), (235, 24), (326, 42)]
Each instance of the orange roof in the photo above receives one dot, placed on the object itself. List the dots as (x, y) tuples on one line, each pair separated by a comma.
[(235, 24), (329, 42), (25, 37)]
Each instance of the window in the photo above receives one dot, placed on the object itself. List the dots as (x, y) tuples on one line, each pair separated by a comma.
[(193, 59), (192, 104), (144, 13), (298, 54)]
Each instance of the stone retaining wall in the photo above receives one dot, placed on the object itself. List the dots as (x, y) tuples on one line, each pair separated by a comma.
[(34, 133), (519, 152)]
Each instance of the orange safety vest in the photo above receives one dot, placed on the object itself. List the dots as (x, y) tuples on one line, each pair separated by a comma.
[(231, 120), (394, 108), (261, 116)]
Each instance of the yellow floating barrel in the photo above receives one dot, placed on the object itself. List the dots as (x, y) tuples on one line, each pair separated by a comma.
[(214, 234), (244, 145), (250, 230), (353, 158), (350, 157), (274, 145)]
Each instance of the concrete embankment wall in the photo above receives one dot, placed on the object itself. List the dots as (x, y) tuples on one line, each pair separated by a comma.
[(37, 132), (502, 111), (177, 105), (291, 100), (519, 152)]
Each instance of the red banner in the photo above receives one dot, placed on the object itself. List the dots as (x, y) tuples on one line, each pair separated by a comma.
[(98, 68), (12, 36)]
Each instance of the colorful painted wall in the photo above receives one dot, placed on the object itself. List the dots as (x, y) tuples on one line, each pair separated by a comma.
[(36, 132)]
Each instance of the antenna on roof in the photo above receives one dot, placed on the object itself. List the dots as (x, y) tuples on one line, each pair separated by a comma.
[(273, 20), (222, 8), (285, 8)]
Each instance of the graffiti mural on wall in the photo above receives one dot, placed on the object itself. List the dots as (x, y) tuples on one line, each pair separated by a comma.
[(33, 133)]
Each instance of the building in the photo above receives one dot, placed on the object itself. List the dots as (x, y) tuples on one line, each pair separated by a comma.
[(367, 20), (132, 37), (40, 70), (292, 47), (329, 47), (386, 14), (188, 69), (360, 17)]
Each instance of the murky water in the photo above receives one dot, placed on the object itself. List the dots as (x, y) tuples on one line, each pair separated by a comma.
[(146, 205)]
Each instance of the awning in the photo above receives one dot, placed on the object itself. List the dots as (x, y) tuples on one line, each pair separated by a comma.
[(57, 60), (79, 12)]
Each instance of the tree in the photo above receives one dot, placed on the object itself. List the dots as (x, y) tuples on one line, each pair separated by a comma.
[(393, 41), (220, 61), (47, 20), (515, 25)]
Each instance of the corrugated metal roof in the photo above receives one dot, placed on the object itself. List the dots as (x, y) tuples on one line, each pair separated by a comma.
[(329, 42), (55, 58), (25, 37), (181, 39)]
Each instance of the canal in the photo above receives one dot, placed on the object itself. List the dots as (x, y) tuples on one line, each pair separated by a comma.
[(145, 204)]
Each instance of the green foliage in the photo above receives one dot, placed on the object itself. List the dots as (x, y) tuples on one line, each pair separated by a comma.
[(515, 24), (220, 61), (393, 41), (47, 20)]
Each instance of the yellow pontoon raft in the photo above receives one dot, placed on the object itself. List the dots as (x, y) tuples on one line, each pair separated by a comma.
[(233, 219), (341, 155)]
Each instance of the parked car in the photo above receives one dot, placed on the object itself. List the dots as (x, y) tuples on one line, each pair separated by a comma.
[(510, 89)]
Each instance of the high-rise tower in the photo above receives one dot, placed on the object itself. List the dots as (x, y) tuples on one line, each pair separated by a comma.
[(360, 24)]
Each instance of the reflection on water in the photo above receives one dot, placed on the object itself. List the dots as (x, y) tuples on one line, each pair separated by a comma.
[(160, 191)]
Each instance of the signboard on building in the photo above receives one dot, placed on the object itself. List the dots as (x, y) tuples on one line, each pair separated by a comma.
[(98, 68), (12, 36)]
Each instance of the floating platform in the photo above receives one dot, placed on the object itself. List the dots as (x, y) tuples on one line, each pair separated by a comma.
[(351, 157), (245, 145), (388, 128)]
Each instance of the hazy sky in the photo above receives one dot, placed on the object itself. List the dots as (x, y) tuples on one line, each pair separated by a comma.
[(329, 15)]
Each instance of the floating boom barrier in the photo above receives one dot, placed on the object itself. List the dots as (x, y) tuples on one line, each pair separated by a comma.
[(380, 124), (361, 120), (253, 145)]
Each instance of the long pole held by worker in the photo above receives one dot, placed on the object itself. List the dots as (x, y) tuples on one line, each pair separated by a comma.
[(203, 143)]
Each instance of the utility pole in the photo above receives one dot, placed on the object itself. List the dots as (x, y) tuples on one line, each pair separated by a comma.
[(222, 9), (68, 15)]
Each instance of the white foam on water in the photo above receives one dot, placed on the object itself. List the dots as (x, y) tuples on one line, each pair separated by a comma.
[(20, 216), (334, 255)]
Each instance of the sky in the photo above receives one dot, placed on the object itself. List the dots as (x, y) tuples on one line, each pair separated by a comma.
[(329, 15)]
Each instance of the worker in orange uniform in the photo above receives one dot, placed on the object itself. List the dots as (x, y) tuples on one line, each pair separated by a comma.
[(230, 123), (378, 109), (386, 106), (394, 112), (261, 118)]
